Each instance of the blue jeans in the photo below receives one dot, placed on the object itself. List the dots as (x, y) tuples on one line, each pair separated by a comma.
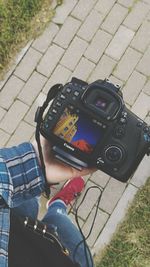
[(58, 219)]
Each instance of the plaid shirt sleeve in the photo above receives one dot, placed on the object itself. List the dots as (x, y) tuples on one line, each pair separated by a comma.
[(20, 178)]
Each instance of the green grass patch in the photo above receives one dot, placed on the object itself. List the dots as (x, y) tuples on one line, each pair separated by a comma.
[(130, 246), (21, 20)]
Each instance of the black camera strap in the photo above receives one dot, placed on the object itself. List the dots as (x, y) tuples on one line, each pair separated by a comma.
[(38, 119)]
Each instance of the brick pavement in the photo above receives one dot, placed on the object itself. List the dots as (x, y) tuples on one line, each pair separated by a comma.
[(90, 39)]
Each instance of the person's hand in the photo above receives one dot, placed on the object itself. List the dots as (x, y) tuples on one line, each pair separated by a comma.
[(57, 171)]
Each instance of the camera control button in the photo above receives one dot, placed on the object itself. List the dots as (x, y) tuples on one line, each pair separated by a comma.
[(123, 120), (62, 97), (119, 131), (139, 124), (68, 90), (71, 107), (98, 123), (58, 104), (124, 114), (100, 161), (76, 93), (54, 111), (113, 154), (50, 117), (146, 129), (46, 125)]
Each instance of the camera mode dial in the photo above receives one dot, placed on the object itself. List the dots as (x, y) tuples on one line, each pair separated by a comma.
[(113, 154)]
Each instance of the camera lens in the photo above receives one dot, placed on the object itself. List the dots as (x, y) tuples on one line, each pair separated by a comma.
[(113, 154)]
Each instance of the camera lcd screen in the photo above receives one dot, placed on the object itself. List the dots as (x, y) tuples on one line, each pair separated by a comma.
[(79, 131), (101, 103)]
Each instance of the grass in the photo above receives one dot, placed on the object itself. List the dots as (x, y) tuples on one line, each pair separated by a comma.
[(130, 246), (21, 20)]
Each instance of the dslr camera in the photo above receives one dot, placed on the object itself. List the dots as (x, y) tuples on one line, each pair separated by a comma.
[(90, 126)]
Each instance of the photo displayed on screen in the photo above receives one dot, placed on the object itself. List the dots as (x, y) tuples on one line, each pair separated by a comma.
[(77, 130)]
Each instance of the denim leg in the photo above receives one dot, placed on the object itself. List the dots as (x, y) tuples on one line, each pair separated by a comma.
[(29, 208), (68, 233)]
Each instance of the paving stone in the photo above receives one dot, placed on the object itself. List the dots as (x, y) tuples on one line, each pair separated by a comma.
[(31, 113), (2, 113), (98, 46), (103, 69), (74, 53), (100, 221), (2, 83), (120, 42), (22, 53), (83, 69), (148, 16), (104, 6), (3, 138), (142, 173), (13, 65), (42, 209), (114, 18), (82, 9), (127, 64), (63, 11), (100, 178), (5, 77), (60, 75), (28, 64), (10, 91), (22, 134), (89, 201), (115, 218), (146, 1), (113, 190), (44, 40), (67, 32), (90, 25), (13, 117), (147, 120), (146, 88), (143, 65), (141, 106), (127, 3), (133, 87), (50, 60), (136, 15), (86, 178), (142, 37), (115, 80), (32, 88)]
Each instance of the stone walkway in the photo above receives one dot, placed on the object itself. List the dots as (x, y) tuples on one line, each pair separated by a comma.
[(89, 39)]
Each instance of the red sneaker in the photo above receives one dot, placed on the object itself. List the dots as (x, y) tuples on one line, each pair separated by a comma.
[(69, 191)]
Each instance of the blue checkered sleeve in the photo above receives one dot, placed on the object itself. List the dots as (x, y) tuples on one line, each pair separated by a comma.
[(21, 177)]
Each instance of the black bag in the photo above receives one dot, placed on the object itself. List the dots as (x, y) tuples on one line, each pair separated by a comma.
[(31, 244)]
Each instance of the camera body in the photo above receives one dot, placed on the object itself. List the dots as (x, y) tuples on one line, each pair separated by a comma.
[(90, 126)]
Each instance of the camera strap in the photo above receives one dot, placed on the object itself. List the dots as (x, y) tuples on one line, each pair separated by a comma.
[(38, 119)]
